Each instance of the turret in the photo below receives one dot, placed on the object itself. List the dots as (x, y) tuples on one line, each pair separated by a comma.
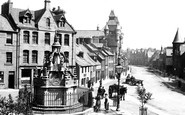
[(176, 43)]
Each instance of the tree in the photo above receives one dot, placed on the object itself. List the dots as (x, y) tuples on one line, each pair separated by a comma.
[(21, 106), (143, 96)]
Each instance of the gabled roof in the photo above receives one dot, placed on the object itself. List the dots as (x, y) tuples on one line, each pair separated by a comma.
[(24, 12), (88, 33), (4, 24), (38, 14), (178, 39)]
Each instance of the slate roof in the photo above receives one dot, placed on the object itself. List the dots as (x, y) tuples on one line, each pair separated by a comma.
[(88, 33), (109, 53), (36, 16), (86, 60), (82, 62), (91, 47), (86, 51), (22, 13), (16, 14), (4, 24), (100, 56), (104, 53)]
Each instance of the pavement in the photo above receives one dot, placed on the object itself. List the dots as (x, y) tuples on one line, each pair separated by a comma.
[(112, 107)]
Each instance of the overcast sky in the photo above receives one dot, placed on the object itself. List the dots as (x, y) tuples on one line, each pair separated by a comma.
[(145, 23)]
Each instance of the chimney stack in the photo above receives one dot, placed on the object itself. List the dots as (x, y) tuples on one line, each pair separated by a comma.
[(47, 4)]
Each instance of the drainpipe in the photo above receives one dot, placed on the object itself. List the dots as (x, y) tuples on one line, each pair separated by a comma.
[(17, 57), (72, 51)]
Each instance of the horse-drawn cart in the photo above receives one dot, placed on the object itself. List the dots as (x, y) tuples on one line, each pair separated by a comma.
[(113, 90), (133, 81)]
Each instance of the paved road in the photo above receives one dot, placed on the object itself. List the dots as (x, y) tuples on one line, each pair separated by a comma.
[(128, 107), (164, 99)]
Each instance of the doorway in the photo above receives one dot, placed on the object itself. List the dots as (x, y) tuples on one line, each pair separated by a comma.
[(11, 79)]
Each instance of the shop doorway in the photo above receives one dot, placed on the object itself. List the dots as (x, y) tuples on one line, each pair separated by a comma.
[(26, 77), (11, 79)]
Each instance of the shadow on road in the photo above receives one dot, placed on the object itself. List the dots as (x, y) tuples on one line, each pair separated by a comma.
[(171, 84)]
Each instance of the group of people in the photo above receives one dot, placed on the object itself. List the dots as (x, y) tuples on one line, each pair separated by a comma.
[(101, 91), (100, 95)]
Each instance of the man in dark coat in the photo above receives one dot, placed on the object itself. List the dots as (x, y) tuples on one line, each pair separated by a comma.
[(123, 90), (102, 92)]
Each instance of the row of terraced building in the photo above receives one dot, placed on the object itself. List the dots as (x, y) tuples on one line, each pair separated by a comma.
[(26, 38)]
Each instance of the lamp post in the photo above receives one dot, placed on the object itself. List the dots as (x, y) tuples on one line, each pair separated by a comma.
[(119, 70)]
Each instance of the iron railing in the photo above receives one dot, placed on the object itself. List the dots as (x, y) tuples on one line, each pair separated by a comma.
[(65, 103)]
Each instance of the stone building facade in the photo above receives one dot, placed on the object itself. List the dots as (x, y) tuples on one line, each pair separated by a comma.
[(35, 35), (8, 47)]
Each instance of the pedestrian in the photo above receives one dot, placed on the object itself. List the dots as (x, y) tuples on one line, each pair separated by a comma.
[(98, 103), (99, 90), (110, 92), (106, 103), (89, 84), (103, 91), (122, 92)]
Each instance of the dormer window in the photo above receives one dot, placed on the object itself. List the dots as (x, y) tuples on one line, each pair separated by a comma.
[(25, 16), (61, 22), (48, 22)]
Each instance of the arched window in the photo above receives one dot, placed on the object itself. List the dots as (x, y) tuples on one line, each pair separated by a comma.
[(26, 36), (48, 22), (34, 56), (25, 56), (66, 39)]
